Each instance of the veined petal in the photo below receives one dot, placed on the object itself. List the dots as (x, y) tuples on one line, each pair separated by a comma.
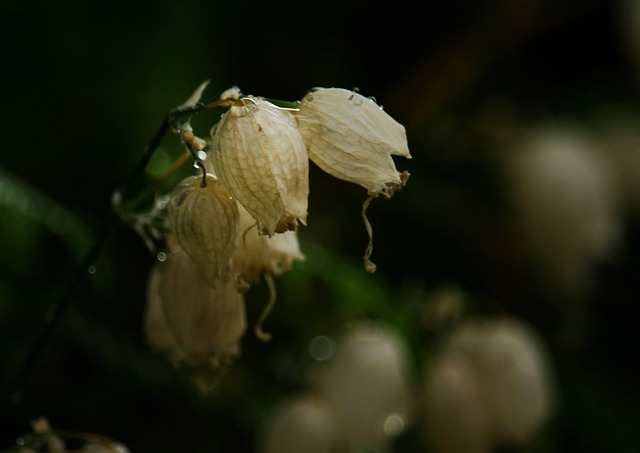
[(205, 323), (258, 253), (260, 158), (204, 221), (352, 138)]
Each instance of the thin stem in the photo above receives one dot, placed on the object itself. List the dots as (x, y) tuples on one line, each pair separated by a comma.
[(57, 309)]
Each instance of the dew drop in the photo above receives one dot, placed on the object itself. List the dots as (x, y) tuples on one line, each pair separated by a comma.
[(91, 270), (321, 348), (20, 442), (202, 155), (161, 256), (309, 98), (356, 99)]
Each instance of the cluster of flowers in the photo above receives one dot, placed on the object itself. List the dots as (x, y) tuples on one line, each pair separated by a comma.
[(238, 220), (488, 386)]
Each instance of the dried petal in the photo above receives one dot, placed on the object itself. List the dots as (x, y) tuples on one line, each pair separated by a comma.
[(350, 137), (156, 327), (204, 221), (258, 253), (205, 323), (260, 158)]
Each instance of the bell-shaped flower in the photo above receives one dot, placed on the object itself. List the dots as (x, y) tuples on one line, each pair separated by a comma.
[(488, 387), (257, 253), (260, 158), (352, 138), (367, 385), (300, 423), (204, 220), (185, 316)]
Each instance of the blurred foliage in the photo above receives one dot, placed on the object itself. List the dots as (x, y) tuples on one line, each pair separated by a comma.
[(86, 84)]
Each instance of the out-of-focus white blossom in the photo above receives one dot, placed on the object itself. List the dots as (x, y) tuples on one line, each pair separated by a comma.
[(367, 386), (185, 316), (489, 386), (204, 220), (300, 424), (352, 138), (454, 412), (260, 158), (567, 203)]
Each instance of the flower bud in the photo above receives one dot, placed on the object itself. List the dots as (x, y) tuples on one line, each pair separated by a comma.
[(204, 220), (260, 158), (352, 138), (197, 323)]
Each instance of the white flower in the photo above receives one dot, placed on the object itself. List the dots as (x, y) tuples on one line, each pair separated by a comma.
[(204, 221), (300, 423), (257, 253), (352, 138), (260, 158), (188, 318), (489, 386), (567, 202), (367, 387)]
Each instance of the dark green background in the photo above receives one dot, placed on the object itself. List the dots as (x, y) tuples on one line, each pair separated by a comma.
[(86, 84)]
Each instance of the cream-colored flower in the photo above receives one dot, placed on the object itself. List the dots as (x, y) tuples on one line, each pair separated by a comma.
[(352, 138), (188, 318), (367, 386), (489, 386), (257, 253), (260, 158), (204, 220), (300, 423)]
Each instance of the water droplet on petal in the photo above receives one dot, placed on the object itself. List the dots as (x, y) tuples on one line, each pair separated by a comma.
[(161, 256), (91, 270)]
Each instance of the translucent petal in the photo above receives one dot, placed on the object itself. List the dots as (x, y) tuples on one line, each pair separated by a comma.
[(260, 158), (258, 253), (207, 323), (204, 221), (350, 137)]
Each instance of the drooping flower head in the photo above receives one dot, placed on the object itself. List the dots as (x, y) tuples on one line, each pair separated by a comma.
[(260, 158), (188, 318), (204, 221), (352, 138)]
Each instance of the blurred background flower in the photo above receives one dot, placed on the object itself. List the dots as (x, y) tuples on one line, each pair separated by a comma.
[(85, 86)]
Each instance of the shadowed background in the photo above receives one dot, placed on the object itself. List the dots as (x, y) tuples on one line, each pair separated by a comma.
[(84, 88)]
